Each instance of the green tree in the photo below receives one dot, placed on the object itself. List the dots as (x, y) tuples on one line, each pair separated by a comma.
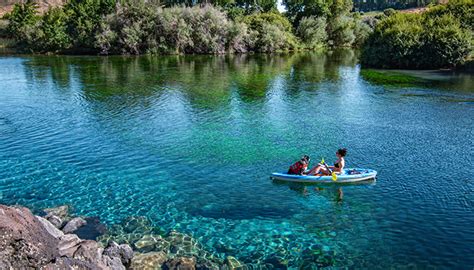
[(54, 30), (297, 9), (22, 15), (84, 17)]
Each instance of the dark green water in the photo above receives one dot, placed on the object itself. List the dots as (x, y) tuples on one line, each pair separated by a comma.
[(189, 142)]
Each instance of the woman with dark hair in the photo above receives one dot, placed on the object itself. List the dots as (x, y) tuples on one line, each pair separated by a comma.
[(337, 168)]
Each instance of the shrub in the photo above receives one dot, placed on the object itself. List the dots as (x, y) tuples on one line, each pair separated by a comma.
[(417, 41), (394, 43), (271, 32), (341, 31), (84, 18), (54, 31), (312, 31), (463, 10), (22, 15), (389, 12), (444, 42), (362, 31)]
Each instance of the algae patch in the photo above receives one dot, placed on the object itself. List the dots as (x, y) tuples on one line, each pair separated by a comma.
[(390, 78)]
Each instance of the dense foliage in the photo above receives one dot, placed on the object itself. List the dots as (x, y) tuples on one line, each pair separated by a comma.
[(441, 37), (364, 5), (157, 27)]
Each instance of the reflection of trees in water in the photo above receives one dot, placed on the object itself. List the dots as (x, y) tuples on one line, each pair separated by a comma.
[(205, 81)]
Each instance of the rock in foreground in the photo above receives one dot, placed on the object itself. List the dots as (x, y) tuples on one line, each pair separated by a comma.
[(27, 241)]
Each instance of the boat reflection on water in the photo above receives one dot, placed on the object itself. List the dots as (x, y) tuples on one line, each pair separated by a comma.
[(332, 191)]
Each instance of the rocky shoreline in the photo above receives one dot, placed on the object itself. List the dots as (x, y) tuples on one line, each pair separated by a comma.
[(56, 240)]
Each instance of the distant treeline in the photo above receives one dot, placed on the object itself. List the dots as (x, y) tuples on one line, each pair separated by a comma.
[(371, 5)]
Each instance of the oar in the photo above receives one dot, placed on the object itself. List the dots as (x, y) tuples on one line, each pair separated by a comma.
[(333, 174)]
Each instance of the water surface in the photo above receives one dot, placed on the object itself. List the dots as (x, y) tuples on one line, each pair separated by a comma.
[(189, 142)]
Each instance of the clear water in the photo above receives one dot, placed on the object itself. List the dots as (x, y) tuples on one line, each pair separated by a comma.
[(189, 142)]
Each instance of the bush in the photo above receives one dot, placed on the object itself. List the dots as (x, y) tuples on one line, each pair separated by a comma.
[(22, 16), (417, 41), (362, 30), (341, 31), (312, 31), (54, 31), (463, 10), (84, 18), (444, 42), (140, 28), (389, 12), (394, 43), (271, 32)]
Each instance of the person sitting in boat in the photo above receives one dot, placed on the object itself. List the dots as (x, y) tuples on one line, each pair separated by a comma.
[(300, 166), (322, 169)]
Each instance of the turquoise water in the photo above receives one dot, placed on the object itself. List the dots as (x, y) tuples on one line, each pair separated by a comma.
[(189, 142)]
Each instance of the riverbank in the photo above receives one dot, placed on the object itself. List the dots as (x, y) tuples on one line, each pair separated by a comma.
[(55, 239)]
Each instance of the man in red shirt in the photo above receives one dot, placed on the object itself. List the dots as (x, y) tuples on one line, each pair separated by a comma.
[(300, 166)]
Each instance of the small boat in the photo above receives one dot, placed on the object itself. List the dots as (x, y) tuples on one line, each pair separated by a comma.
[(349, 175)]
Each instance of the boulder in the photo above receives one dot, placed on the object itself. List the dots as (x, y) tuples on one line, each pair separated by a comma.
[(148, 261), (55, 220), (180, 263), (113, 263), (89, 251), (124, 252), (24, 240), (68, 244), (74, 224), (55, 232)]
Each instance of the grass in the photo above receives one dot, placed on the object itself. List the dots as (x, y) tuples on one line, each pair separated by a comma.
[(391, 78)]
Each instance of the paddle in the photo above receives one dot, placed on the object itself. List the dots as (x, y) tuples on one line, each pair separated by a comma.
[(333, 174)]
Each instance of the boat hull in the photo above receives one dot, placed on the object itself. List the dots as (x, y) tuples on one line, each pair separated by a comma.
[(349, 175)]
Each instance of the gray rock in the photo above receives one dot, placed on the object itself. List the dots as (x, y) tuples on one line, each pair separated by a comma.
[(124, 252), (89, 251), (24, 241), (68, 245), (148, 261), (74, 224), (55, 220), (55, 232), (113, 263)]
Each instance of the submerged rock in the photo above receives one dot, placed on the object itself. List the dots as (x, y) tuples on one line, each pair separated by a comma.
[(232, 263), (152, 243), (61, 212), (148, 261), (180, 263), (74, 224), (92, 229)]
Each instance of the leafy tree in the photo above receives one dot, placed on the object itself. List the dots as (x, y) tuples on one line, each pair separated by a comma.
[(312, 31), (84, 17), (54, 29), (22, 15), (271, 31), (417, 41), (298, 9)]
